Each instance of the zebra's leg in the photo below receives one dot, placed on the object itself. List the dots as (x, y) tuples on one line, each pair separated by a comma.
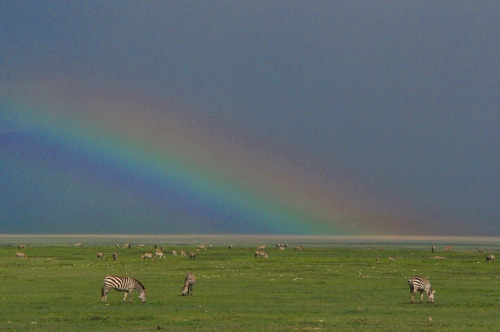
[(125, 297), (421, 296), (105, 292), (412, 297)]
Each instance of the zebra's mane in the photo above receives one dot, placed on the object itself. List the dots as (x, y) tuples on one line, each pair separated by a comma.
[(140, 284)]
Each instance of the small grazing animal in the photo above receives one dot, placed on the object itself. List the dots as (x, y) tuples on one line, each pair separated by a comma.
[(189, 282)]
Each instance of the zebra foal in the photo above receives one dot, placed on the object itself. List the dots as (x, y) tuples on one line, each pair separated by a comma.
[(123, 284), (421, 284), (189, 282)]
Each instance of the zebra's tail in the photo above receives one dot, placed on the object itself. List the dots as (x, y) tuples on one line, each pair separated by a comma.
[(102, 291), (410, 283)]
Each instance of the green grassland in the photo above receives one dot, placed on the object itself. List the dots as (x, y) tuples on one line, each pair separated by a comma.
[(58, 289)]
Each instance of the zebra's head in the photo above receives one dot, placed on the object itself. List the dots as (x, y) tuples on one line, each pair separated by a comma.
[(142, 296), (430, 297)]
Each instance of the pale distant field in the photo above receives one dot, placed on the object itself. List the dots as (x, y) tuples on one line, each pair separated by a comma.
[(333, 284), (239, 239)]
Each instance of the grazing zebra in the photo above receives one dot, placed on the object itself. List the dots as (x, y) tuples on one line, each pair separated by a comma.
[(490, 258), (261, 254), (230, 247), (421, 285), (21, 255), (147, 255), (183, 253), (115, 255), (281, 249), (21, 246), (160, 254), (174, 253), (448, 248), (100, 255), (123, 284), (189, 282), (192, 255)]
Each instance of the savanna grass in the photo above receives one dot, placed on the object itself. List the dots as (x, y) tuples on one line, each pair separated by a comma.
[(58, 289)]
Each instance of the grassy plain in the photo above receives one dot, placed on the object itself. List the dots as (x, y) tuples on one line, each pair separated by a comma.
[(58, 289)]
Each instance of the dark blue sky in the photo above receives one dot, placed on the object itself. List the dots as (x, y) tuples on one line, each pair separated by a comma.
[(401, 97)]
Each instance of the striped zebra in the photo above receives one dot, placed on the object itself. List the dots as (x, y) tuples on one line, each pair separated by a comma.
[(189, 282), (421, 284), (123, 284), (490, 258)]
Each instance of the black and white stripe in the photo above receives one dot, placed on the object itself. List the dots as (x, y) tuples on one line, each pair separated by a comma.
[(421, 284), (123, 284), (189, 282)]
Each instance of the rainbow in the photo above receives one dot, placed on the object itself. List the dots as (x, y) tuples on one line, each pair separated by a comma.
[(108, 162)]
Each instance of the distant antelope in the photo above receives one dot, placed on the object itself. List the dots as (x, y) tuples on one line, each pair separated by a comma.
[(260, 254), (21, 246), (448, 248), (117, 245), (147, 255), (490, 258), (298, 248), (183, 253), (261, 247), (127, 245), (420, 284), (480, 250), (230, 247), (192, 255), (123, 284), (201, 247), (281, 249), (100, 255), (21, 255), (174, 253), (160, 254), (78, 245), (115, 255), (140, 245), (189, 282), (433, 248)]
